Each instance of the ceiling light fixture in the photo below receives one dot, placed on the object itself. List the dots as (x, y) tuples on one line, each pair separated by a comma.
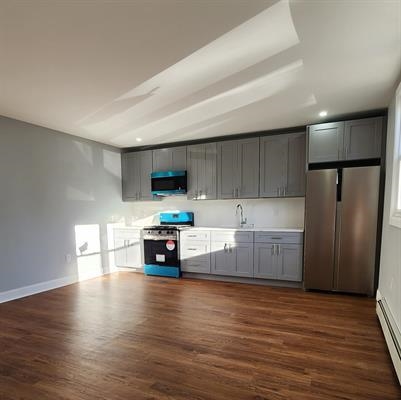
[(138, 139), (322, 113)]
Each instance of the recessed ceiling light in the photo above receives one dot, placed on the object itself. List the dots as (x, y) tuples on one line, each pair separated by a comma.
[(323, 113), (138, 139)]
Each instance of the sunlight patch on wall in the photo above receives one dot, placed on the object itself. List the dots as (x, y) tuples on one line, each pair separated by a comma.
[(87, 247), (112, 162), (86, 151), (78, 195)]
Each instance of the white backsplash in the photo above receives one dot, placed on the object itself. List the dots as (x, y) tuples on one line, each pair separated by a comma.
[(274, 213)]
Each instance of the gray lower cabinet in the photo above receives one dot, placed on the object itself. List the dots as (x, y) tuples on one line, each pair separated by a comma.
[(326, 142), (202, 171), (349, 140), (238, 168), (278, 256), (232, 259), (136, 170), (282, 165), (127, 248), (170, 159), (265, 261), (362, 138)]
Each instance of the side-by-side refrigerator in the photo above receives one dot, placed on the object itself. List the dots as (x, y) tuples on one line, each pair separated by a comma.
[(341, 228)]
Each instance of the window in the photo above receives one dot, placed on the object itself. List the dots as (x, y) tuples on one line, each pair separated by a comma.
[(395, 211)]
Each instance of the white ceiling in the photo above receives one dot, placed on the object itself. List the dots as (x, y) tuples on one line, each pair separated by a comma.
[(171, 70)]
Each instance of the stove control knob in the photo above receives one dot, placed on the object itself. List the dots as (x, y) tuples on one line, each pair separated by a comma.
[(160, 232)]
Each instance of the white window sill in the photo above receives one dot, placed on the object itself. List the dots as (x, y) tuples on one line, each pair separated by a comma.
[(395, 220)]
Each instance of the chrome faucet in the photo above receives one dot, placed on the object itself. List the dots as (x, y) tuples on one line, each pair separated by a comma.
[(243, 220)]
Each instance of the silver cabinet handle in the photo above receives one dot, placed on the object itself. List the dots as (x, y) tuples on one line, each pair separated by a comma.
[(279, 249), (225, 247), (272, 250), (192, 249), (276, 238), (346, 152), (191, 235)]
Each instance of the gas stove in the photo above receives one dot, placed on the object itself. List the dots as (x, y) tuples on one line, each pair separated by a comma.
[(161, 244)]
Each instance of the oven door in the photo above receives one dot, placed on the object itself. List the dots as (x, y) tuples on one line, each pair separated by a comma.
[(161, 252)]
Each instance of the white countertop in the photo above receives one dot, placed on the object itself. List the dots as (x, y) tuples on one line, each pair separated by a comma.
[(254, 229), (226, 228)]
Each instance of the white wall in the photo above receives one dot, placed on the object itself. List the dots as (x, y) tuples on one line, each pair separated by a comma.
[(51, 184), (275, 213), (390, 263)]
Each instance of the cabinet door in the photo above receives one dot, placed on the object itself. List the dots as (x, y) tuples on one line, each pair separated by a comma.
[(289, 262), (194, 154), (170, 159), (120, 252), (223, 261), (227, 164), (265, 264), (296, 171), (134, 253), (162, 160), (273, 165), (195, 256), (243, 258), (179, 158), (248, 163), (209, 185), (145, 187), (130, 176), (363, 138), (326, 142)]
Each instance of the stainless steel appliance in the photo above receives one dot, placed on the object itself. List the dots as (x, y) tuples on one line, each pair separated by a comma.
[(161, 244), (168, 183), (340, 229)]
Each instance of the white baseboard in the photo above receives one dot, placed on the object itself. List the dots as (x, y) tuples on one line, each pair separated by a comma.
[(41, 287), (390, 331)]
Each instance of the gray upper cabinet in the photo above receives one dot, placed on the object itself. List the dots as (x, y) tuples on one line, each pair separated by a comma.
[(136, 170), (202, 165), (349, 140), (326, 142), (227, 169), (238, 168), (296, 166), (282, 165), (248, 168), (170, 159), (362, 139)]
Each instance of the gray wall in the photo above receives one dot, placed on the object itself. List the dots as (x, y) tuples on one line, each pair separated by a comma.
[(390, 263), (51, 182)]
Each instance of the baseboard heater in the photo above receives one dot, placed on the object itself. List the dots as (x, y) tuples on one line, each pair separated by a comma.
[(391, 334)]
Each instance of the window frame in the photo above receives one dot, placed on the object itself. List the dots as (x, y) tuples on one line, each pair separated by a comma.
[(395, 206)]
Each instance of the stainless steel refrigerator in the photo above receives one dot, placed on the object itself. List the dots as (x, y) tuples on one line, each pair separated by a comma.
[(341, 228)]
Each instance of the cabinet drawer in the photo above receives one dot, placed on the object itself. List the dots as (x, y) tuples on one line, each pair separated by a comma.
[(194, 249), (232, 236), (199, 265), (279, 237), (195, 235), (127, 233)]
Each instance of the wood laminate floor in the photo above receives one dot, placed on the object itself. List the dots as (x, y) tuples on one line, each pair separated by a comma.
[(126, 336)]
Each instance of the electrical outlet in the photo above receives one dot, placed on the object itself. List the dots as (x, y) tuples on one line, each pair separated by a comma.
[(68, 258)]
